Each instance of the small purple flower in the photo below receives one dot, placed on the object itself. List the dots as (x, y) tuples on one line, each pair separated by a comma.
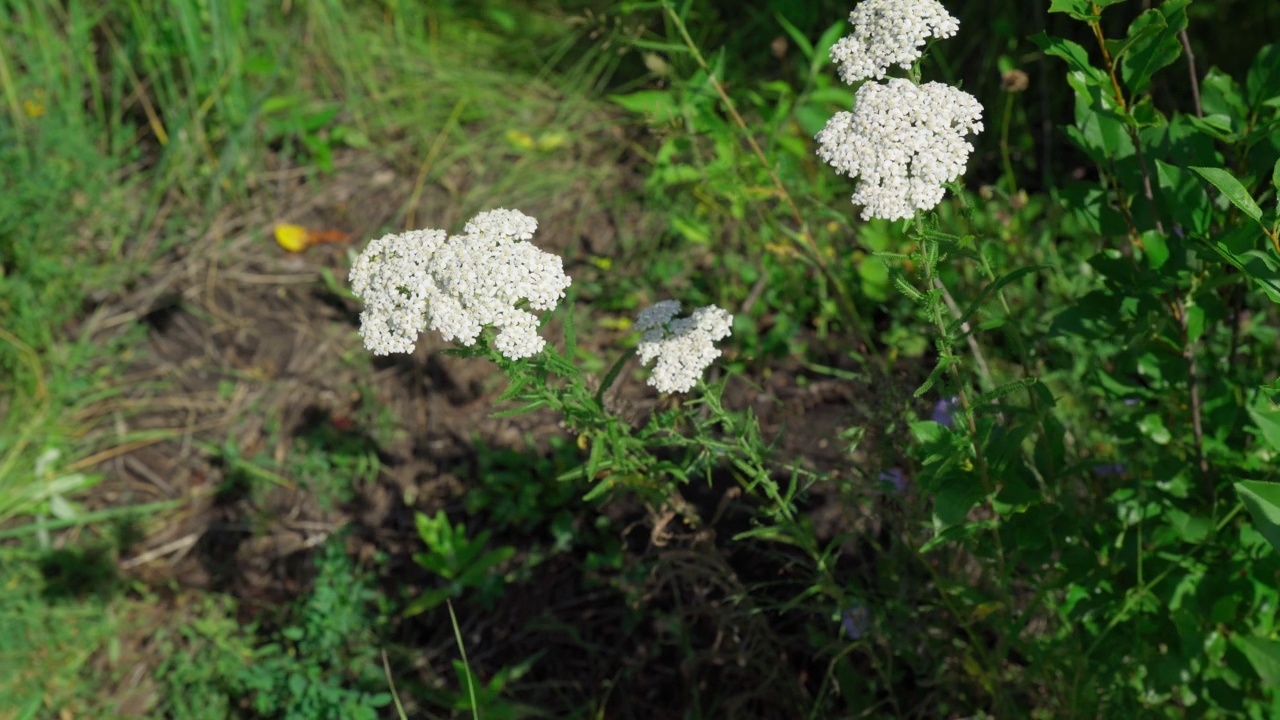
[(856, 621), (893, 481), (942, 412), (1177, 230), (1109, 469), (1131, 402)]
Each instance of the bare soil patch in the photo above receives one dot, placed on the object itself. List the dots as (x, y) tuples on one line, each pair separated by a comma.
[(248, 353)]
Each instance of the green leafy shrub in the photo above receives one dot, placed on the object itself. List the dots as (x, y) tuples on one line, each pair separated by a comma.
[(320, 661)]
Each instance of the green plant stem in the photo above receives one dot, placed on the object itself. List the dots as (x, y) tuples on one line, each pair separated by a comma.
[(810, 244), (391, 683), (1019, 342), (1004, 144), (980, 460), (462, 649)]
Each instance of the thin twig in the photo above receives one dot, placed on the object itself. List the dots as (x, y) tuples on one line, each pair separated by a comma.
[(979, 358), (181, 543), (1191, 68), (1193, 388), (1133, 132), (1106, 59)]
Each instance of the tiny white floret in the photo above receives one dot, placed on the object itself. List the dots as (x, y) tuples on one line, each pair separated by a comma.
[(903, 142), (682, 347), (887, 33), (459, 285)]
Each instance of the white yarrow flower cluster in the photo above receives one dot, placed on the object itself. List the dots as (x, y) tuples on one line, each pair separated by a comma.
[(459, 285), (889, 32), (683, 347), (903, 142)]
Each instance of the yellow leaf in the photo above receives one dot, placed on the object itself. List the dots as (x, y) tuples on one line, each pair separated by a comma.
[(551, 141), (616, 323), (33, 108), (780, 250), (519, 140), (985, 610), (293, 238)]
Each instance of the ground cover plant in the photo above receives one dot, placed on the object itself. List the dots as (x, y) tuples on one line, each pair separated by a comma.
[(671, 359)]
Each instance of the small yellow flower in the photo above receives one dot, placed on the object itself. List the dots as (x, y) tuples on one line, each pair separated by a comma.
[(551, 141), (293, 238), (34, 105), (520, 140), (615, 323)]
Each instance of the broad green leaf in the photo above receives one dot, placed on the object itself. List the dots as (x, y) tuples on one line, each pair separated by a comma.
[(1081, 9), (1263, 654), (1268, 421), (1263, 502), (875, 279), (1078, 9), (1260, 267), (1075, 55), (1153, 43), (952, 503), (1155, 248), (1195, 323), (658, 106), (1275, 177), (1233, 189), (1100, 129), (1221, 95), (1191, 528), (1183, 197), (1153, 427), (1263, 80), (1216, 126), (1069, 6)]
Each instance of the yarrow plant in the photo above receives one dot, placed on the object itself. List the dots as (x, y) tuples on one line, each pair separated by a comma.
[(458, 285), (903, 142), (1107, 526), (889, 32), (683, 347)]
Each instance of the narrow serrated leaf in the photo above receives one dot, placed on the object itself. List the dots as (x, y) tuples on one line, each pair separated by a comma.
[(987, 291), (1263, 502), (1233, 189), (933, 378)]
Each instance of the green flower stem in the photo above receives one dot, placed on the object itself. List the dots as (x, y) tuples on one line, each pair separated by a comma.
[(810, 244)]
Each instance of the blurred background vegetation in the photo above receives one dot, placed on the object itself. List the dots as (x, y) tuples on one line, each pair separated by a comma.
[(139, 138)]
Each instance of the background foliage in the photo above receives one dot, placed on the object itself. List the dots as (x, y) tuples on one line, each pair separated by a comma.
[(1072, 516)]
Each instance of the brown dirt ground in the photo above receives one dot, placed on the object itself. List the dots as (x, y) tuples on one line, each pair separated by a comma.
[(245, 345)]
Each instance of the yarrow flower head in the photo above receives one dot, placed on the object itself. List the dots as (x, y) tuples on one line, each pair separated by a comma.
[(889, 32), (902, 142), (423, 279), (683, 347)]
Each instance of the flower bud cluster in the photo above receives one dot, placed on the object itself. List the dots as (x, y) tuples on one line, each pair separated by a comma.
[(458, 285), (683, 347), (902, 142), (889, 32)]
